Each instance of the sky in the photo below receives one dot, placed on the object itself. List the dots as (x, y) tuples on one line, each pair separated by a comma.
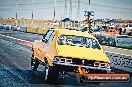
[(44, 9)]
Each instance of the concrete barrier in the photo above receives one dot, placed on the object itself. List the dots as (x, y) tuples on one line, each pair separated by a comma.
[(42, 31), (124, 41), (35, 30), (119, 61), (1, 27), (114, 40), (29, 29), (7, 27), (14, 28), (23, 29)]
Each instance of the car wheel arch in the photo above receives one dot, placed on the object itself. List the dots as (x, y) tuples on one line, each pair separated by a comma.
[(48, 59)]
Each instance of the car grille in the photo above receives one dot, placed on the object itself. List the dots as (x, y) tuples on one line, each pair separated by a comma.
[(83, 62)]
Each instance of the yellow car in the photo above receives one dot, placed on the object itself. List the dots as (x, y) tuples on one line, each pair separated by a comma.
[(68, 50)]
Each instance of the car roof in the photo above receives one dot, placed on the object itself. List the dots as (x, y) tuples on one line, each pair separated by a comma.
[(73, 32)]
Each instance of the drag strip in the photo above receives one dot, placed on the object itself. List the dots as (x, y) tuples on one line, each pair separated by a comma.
[(27, 43), (28, 37), (15, 69), (121, 58)]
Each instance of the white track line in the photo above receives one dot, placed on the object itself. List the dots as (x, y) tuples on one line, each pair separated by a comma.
[(15, 38), (117, 48), (119, 54)]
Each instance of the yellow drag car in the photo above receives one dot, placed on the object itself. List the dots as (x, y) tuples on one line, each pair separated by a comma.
[(68, 50)]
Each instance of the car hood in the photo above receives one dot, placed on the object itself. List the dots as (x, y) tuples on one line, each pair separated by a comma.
[(81, 53)]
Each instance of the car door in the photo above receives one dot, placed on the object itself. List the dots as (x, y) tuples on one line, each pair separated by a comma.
[(44, 44), (49, 45), (50, 49)]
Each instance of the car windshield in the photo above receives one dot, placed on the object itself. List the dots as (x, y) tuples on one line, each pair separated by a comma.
[(78, 41)]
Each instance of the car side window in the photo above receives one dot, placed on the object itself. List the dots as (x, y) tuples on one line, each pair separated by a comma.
[(51, 37), (95, 44), (47, 36)]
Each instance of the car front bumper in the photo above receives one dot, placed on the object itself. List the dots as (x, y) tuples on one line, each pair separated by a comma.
[(72, 66)]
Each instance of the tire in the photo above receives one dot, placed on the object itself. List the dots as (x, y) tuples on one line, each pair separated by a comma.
[(51, 73), (34, 63), (46, 70), (80, 79), (97, 72)]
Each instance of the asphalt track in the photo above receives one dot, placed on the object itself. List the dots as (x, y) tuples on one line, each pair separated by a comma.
[(15, 69)]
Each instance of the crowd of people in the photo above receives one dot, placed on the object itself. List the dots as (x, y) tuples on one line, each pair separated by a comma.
[(113, 29)]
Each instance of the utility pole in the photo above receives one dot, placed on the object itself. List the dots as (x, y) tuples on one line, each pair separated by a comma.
[(32, 11), (54, 11), (70, 10), (78, 10), (16, 13), (88, 14), (65, 10)]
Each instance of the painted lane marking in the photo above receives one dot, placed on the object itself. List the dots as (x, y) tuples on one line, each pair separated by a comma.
[(117, 48), (119, 54), (15, 38), (29, 43), (24, 42)]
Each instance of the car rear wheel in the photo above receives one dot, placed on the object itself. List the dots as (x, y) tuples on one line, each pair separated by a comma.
[(46, 71), (34, 63), (51, 73)]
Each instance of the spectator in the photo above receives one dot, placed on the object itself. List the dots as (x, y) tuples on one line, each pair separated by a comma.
[(124, 30), (86, 28), (120, 30), (130, 33)]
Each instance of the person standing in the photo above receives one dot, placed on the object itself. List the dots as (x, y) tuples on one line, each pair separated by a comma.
[(120, 29)]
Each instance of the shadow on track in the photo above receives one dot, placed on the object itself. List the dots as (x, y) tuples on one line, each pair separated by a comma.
[(16, 77)]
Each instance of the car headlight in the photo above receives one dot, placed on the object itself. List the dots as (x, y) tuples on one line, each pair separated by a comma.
[(69, 60), (62, 60), (102, 65), (96, 64)]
